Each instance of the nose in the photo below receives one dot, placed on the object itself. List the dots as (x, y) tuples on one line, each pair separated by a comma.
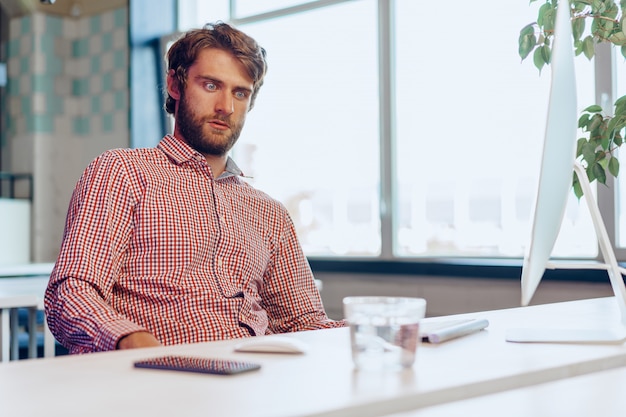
[(225, 104)]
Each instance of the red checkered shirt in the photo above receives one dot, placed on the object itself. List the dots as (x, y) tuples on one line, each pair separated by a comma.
[(153, 242)]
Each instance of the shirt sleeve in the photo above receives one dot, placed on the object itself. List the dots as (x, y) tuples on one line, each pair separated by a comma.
[(290, 295), (96, 235)]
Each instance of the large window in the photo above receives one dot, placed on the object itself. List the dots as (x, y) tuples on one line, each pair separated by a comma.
[(312, 142), (470, 124), (391, 129)]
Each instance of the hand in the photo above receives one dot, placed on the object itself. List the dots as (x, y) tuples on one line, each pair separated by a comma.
[(138, 340)]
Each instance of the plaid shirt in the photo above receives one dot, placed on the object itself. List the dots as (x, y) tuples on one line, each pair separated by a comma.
[(153, 242)]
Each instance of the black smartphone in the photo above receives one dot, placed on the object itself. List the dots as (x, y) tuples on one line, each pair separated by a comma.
[(197, 364)]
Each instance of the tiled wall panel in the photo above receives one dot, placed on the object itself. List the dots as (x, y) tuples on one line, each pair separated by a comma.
[(63, 70)]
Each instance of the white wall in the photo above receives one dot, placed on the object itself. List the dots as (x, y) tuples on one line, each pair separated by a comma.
[(14, 231)]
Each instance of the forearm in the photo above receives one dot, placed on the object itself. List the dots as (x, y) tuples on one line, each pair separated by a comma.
[(138, 340)]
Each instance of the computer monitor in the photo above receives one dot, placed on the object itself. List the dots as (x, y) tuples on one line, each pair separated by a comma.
[(559, 154), (555, 184)]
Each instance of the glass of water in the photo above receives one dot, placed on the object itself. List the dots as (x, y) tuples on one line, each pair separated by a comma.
[(384, 331)]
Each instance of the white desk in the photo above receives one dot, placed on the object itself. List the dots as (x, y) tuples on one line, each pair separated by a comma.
[(598, 394), (24, 292), (320, 383)]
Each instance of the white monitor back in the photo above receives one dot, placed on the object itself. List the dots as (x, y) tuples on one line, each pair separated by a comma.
[(559, 154)]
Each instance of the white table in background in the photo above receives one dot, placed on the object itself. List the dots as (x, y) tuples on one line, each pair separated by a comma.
[(26, 270), (319, 383), (9, 304), (22, 292)]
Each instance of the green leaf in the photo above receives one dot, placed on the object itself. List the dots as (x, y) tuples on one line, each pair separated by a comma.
[(621, 121), (578, 27), (546, 53), (578, 190), (598, 173), (596, 121), (546, 16), (526, 44), (578, 47), (583, 120), (612, 10), (529, 29), (594, 108), (612, 124), (590, 175), (589, 153), (614, 166), (538, 59), (606, 141), (579, 146), (618, 38), (597, 7), (589, 48), (620, 101)]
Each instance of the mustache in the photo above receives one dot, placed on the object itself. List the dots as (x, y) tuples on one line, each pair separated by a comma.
[(221, 118)]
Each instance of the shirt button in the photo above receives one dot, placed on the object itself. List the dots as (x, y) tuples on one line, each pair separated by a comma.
[(219, 262)]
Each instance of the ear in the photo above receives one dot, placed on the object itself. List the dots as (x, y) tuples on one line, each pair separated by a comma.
[(173, 88)]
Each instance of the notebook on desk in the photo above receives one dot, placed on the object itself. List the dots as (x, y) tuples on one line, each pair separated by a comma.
[(441, 330)]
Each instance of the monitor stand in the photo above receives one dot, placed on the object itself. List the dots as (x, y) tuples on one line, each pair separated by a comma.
[(613, 332)]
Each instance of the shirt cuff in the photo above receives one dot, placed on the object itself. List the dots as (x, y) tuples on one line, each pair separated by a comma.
[(111, 332)]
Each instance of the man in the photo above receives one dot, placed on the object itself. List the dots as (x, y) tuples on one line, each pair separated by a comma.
[(168, 245)]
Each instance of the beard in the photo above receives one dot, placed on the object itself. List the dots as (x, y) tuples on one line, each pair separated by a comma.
[(200, 136)]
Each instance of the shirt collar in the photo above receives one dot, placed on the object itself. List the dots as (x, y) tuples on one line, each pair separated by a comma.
[(180, 152), (231, 169)]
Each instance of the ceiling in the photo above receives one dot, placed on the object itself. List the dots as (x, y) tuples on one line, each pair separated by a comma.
[(72, 8)]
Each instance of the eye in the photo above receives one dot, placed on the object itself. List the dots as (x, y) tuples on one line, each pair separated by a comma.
[(241, 95), (210, 86)]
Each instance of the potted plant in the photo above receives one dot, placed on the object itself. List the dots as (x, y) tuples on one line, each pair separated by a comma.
[(593, 22)]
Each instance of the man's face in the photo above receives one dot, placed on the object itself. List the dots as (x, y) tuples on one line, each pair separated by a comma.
[(211, 111)]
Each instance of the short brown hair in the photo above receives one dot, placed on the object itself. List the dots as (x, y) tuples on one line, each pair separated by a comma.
[(184, 52)]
